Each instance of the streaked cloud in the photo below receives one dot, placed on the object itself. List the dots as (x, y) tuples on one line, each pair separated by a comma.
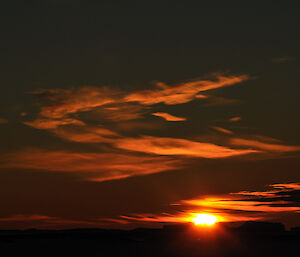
[(283, 59), (119, 112), (218, 100), (58, 103), (52, 123), (181, 93), (168, 117), (235, 119), (240, 206), (90, 166), (28, 221), (222, 130), (263, 145), (176, 146), (85, 134)]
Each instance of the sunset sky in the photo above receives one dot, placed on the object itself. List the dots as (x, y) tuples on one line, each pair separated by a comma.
[(127, 115)]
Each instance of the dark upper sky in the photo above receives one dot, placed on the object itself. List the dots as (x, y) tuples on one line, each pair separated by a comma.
[(112, 110)]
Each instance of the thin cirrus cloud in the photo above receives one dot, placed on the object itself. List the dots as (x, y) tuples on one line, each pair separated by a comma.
[(181, 93), (168, 117), (240, 206), (26, 221), (118, 112), (59, 106), (222, 130), (235, 119), (85, 134), (58, 103), (90, 166), (178, 146), (258, 144), (49, 124)]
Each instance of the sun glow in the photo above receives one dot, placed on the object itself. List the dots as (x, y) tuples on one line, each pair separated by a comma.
[(205, 219)]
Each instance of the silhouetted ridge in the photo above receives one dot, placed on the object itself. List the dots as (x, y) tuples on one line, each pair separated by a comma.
[(262, 227)]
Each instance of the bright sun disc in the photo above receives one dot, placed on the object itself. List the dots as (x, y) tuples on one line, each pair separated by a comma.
[(205, 219)]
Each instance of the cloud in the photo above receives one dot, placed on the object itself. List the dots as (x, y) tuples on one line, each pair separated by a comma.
[(119, 112), (176, 146), (28, 221), (182, 93), (240, 206), (58, 103), (263, 145), (3, 121), (218, 100), (168, 117), (51, 123), (235, 119), (222, 130), (282, 59), (85, 134), (90, 166)]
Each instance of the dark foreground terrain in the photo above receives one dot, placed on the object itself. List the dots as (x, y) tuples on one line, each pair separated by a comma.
[(250, 239)]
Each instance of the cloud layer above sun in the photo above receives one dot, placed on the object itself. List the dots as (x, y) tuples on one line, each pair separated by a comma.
[(116, 130), (240, 206)]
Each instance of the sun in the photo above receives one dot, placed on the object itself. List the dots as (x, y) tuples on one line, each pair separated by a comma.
[(205, 219)]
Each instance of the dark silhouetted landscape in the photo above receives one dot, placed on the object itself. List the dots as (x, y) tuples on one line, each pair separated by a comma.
[(225, 239)]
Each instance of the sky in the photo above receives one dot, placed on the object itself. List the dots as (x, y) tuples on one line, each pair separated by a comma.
[(148, 112)]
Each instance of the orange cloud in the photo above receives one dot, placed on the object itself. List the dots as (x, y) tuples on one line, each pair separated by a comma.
[(241, 206), (176, 146), (263, 145), (91, 166), (222, 130), (3, 121), (168, 117), (118, 112), (85, 134), (235, 119), (27, 221), (51, 123), (181, 93), (58, 103)]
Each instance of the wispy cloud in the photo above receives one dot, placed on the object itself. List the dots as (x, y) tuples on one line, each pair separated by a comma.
[(176, 146), (282, 59), (222, 130), (90, 166), (264, 145), (52, 123), (168, 117), (235, 119), (27, 221), (58, 103), (119, 112), (85, 134), (182, 93), (240, 206)]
